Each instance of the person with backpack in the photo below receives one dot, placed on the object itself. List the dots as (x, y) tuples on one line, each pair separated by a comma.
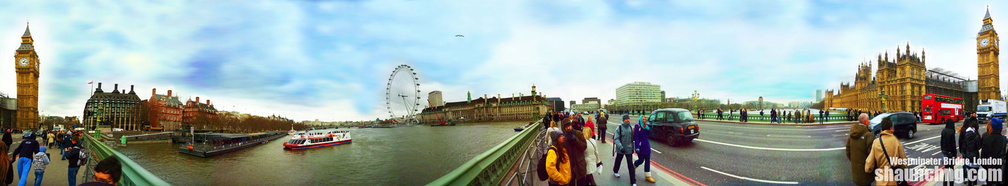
[(74, 159), (623, 145), (23, 154), (643, 146), (39, 164), (558, 165)]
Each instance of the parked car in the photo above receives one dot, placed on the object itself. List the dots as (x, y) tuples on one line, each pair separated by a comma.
[(904, 123), (674, 126)]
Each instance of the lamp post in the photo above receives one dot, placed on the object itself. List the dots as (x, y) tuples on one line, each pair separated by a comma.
[(883, 96), (696, 95)]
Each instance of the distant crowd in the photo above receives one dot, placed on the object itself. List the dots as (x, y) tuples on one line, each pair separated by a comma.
[(774, 115)]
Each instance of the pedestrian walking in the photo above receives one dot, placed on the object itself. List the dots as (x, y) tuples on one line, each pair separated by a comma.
[(743, 115), (5, 160), (67, 143), (73, 160), (969, 146), (557, 163), (886, 146), (547, 119), (859, 144), (623, 144), (773, 115), (7, 139), (821, 119), (826, 117), (593, 161), (589, 126), (720, 115), (798, 116), (760, 115), (948, 147), (52, 139), (642, 146), (575, 148), (23, 154), (993, 146), (39, 163), (603, 123)]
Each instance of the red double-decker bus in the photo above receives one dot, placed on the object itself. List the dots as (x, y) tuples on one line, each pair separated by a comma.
[(936, 108)]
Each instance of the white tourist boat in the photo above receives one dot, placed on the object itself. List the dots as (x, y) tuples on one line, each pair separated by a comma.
[(317, 138)]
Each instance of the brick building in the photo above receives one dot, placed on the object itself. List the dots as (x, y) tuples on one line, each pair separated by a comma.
[(193, 109), (166, 111)]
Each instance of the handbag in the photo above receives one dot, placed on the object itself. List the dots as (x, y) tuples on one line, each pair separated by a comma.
[(900, 182)]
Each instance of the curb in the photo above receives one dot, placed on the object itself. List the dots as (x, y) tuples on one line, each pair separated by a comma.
[(801, 125)]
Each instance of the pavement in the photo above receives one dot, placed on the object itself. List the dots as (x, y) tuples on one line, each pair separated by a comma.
[(56, 171), (759, 153)]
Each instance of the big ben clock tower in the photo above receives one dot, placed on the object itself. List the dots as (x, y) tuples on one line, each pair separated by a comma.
[(987, 61), (26, 64)]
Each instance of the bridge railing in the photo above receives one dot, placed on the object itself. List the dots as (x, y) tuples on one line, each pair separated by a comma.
[(492, 166), (132, 173)]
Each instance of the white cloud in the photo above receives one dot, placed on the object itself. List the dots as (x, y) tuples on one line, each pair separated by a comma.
[(329, 60)]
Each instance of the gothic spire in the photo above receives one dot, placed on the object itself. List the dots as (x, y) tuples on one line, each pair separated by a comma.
[(26, 32), (987, 15)]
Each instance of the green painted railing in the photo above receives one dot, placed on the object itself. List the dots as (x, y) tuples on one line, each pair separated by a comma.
[(490, 167), (133, 173)]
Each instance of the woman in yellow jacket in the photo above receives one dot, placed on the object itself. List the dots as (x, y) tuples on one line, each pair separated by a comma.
[(557, 162)]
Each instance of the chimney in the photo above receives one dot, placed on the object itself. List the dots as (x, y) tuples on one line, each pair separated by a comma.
[(169, 93), (208, 102), (197, 99), (115, 88), (153, 92)]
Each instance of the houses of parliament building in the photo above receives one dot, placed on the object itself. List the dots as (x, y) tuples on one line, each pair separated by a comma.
[(901, 80)]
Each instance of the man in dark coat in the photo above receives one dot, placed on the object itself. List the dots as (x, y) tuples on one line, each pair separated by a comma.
[(948, 145), (575, 152), (858, 147), (993, 145), (601, 123), (546, 120)]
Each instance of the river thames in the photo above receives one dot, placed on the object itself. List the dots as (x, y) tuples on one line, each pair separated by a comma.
[(378, 156)]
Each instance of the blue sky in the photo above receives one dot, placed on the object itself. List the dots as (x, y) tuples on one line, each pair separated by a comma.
[(330, 60)]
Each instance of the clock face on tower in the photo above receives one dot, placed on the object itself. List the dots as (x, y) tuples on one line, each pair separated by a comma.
[(984, 42), (23, 62)]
